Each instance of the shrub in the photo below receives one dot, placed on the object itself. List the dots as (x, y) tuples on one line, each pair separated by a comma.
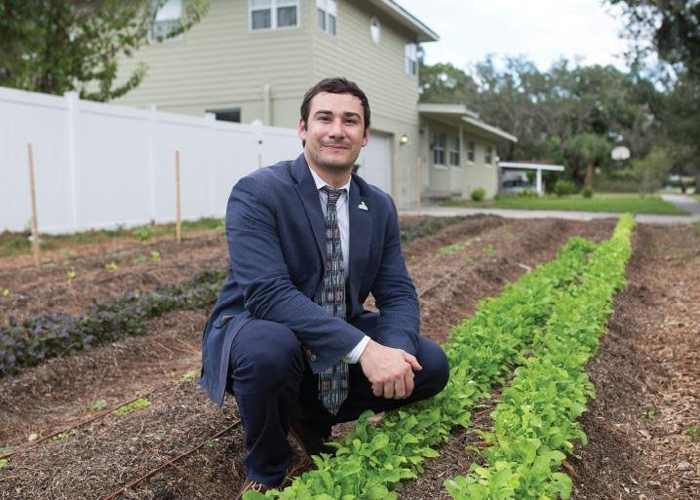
[(564, 187), (478, 194), (588, 193)]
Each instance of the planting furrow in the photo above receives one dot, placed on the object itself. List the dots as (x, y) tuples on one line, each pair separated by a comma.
[(374, 459), (535, 420)]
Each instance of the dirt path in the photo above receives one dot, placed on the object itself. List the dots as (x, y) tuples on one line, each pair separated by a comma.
[(644, 428), (484, 255)]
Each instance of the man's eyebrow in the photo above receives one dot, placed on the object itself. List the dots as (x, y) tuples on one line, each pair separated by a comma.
[(347, 114)]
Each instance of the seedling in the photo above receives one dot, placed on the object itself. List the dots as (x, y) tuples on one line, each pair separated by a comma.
[(111, 266), (140, 259), (209, 443), (693, 431), (650, 414), (70, 274), (98, 405), (189, 375), (142, 233), (450, 249), (134, 405), (64, 435), (155, 256), (469, 261), (3, 462)]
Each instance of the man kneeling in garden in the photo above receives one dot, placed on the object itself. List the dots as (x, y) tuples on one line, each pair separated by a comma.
[(308, 241)]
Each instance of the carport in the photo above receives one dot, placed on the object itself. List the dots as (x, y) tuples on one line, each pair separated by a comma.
[(538, 167)]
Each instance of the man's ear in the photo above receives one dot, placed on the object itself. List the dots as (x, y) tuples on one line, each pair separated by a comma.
[(301, 130), (365, 139)]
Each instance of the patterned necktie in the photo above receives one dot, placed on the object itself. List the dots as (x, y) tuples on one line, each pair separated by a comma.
[(333, 382)]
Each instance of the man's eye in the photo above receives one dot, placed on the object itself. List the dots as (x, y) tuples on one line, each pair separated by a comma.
[(324, 118)]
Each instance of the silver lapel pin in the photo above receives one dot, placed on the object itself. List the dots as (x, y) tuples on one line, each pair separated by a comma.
[(362, 206)]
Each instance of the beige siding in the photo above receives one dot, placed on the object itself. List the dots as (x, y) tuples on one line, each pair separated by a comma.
[(221, 63), (379, 69)]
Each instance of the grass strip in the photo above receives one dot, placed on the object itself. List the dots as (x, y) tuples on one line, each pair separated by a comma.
[(373, 460), (46, 335), (535, 420)]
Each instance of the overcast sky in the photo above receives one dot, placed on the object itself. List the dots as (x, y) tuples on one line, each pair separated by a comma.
[(542, 30)]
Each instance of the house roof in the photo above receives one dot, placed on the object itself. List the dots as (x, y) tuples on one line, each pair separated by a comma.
[(530, 166), (406, 19), (458, 114)]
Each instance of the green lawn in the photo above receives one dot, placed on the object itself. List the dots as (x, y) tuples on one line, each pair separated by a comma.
[(16, 243), (632, 203)]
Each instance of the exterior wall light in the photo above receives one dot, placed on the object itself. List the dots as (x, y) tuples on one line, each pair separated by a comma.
[(403, 140)]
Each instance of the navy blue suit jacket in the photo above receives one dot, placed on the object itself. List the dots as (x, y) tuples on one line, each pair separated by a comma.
[(276, 235)]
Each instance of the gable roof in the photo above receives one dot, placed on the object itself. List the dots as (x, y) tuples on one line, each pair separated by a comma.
[(406, 19)]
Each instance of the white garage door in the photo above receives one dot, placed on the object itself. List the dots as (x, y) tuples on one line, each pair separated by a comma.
[(375, 161)]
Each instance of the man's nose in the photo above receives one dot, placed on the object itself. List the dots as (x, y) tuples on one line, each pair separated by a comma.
[(337, 128)]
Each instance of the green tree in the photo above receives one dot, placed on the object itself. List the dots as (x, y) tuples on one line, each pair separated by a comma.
[(652, 171), (55, 46), (583, 152)]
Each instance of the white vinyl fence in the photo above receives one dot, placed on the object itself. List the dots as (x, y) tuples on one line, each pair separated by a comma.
[(100, 165)]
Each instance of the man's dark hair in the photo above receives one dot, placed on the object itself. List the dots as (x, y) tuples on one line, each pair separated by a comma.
[(337, 85)]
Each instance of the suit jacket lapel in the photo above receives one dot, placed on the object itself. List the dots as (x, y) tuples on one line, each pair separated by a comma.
[(360, 235), (306, 189)]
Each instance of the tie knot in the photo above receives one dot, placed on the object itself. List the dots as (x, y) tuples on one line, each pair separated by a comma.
[(333, 194)]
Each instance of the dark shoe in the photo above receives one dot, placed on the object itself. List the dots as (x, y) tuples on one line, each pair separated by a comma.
[(311, 443), (250, 485)]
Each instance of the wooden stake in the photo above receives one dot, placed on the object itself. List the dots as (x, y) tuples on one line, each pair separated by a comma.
[(419, 183), (35, 222), (178, 222)]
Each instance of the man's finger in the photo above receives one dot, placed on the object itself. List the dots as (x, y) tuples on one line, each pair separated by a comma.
[(408, 383), (399, 389), (411, 360), (389, 390), (378, 390)]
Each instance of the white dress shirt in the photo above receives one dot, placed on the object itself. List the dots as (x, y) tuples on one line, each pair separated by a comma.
[(342, 209)]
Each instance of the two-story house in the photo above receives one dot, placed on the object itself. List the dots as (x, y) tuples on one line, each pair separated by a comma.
[(253, 60)]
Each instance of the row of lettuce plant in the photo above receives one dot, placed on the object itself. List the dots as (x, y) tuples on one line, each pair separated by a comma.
[(372, 461), (535, 422), (47, 335)]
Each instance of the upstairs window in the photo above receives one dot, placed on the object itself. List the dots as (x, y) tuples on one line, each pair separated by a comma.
[(167, 19), (411, 52), (273, 14), (454, 152), (439, 140), (488, 155), (327, 15), (471, 151), (375, 30)]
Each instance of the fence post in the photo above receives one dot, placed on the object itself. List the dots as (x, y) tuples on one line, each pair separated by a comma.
[(210, 131), (419, 182), (35, 222), (152, 124), (178, 222), (73, 100)]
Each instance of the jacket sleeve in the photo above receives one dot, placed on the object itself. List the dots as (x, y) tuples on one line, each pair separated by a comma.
[(395, 295), (259, 268)]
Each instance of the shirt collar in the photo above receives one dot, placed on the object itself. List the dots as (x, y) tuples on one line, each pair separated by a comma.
[(320, 183)]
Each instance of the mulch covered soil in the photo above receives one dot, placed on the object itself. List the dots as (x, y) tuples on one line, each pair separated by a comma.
[(452, 269)]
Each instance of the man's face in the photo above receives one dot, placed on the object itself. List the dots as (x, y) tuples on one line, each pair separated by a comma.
[(335, 131)]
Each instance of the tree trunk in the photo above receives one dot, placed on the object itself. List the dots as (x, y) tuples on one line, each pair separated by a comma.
[(589, 177)]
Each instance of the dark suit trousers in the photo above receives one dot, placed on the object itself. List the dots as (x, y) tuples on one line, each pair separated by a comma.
[(274, 386)]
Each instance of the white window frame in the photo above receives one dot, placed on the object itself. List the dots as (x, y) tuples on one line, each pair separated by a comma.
[(170, 12), (411, 58), (454, 153), (329, 10), (273, 6), (488, 156), (439, 147), (471, 152)]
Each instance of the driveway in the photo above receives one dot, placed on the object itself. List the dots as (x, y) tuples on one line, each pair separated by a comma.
[(683, 202), (437, 211)]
